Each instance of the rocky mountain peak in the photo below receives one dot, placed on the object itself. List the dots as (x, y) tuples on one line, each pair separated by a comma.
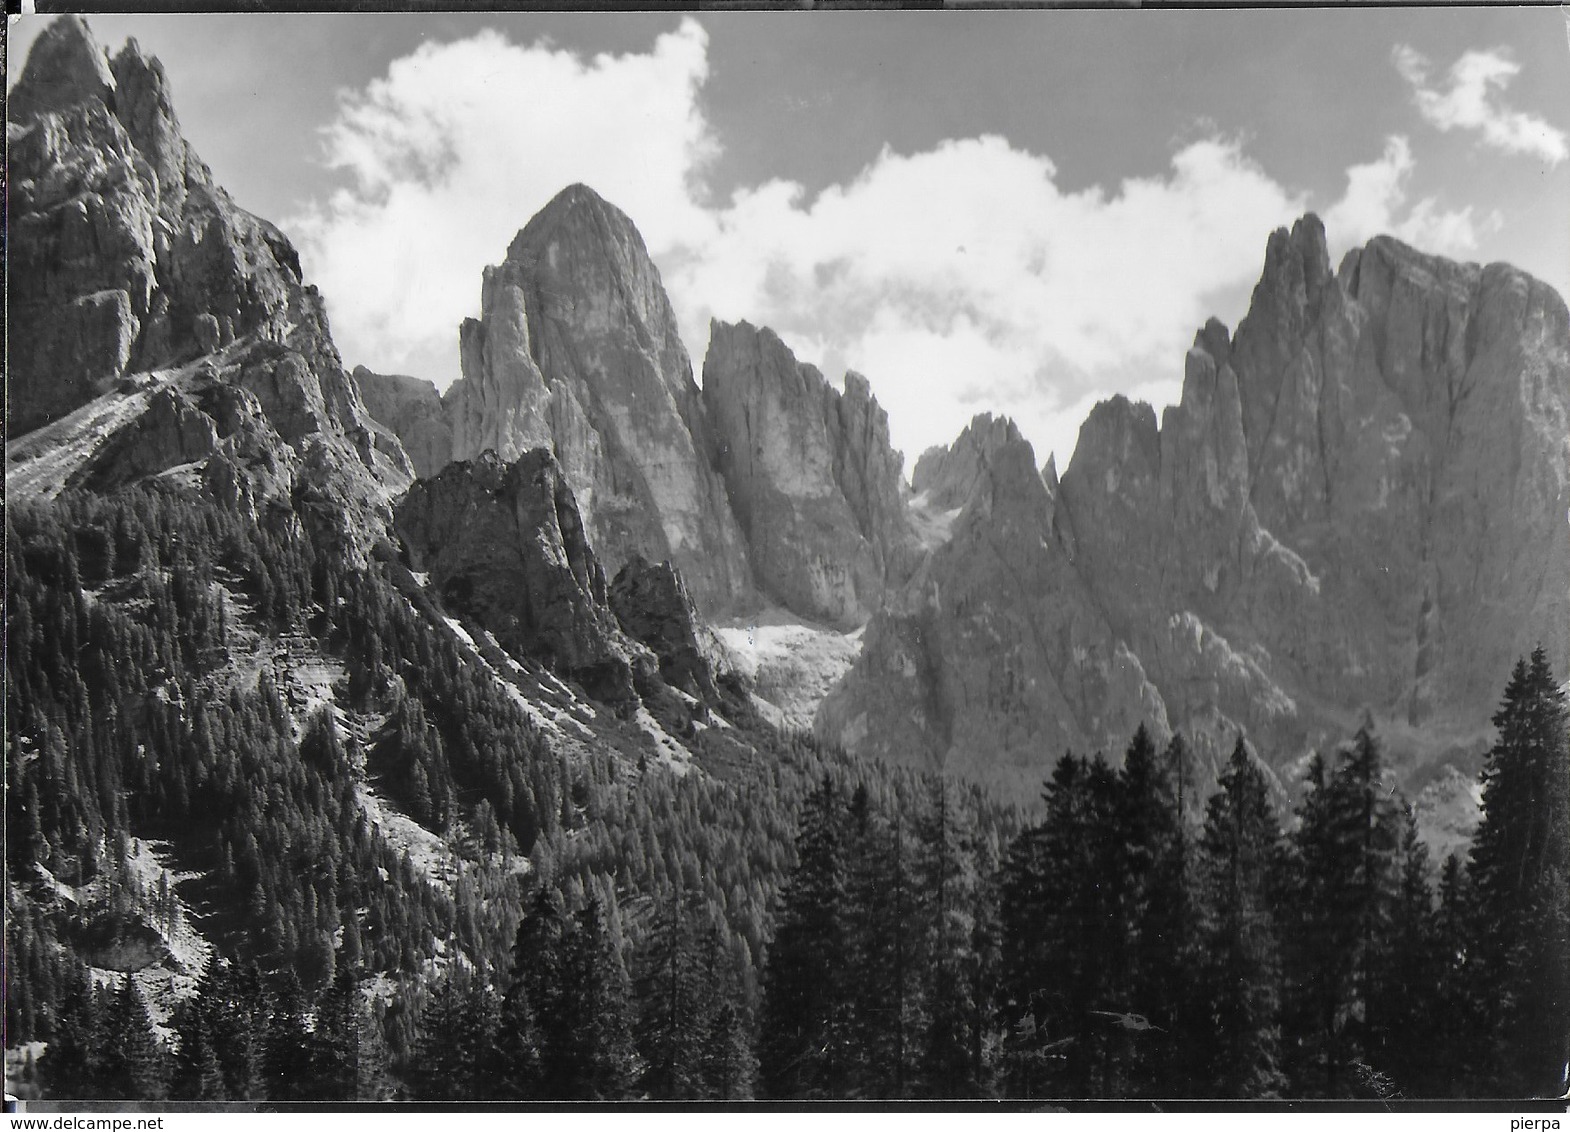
[(579, 246), (134, 272), (949, 477), (577, 348), (651, 603), (1215, 340), (1324, 526), (1118, 453), (809, 473), (577, 212), (65, 68), (1285, 304)]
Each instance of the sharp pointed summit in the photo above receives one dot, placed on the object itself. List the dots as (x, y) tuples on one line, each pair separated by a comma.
[(577, 349)]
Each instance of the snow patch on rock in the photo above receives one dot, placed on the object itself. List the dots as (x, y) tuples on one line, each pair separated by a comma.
[(792, 666)]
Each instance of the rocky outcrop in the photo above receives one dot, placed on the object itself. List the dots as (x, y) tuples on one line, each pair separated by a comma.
[(994, 658), (1358, 505), (1324, 486), (811, 476), (411, 409), (172, 431), (651, 604), (125, 258), (577, 348), (946, 478), (505, 544)]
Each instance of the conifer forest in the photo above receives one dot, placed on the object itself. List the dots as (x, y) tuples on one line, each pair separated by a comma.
[(806, 929)]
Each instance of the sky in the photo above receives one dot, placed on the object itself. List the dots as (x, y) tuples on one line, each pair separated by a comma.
[(1020, 212)]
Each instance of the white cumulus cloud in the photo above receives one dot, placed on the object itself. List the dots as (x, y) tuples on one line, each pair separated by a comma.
[(963, 278), (459, 144), (1472, 98), (1375, 203), (958, 279)]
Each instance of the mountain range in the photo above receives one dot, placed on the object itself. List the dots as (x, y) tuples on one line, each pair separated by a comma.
[(325, 669), (1357, 507)]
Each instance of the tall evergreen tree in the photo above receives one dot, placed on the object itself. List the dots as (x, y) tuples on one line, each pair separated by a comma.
[(1340, 901), (1158, 912), (728, 1063), (455, 1058), (519, 1072), (881, 959), (1404, 1024), (804, 1040), (1237, 851), (603, 1060), (1371, 827), (672, 990), (134, 1062), (286, 1057), (1520, 881), (73, 1065), (1066, 937), (348, 1057), (197, 1074), (1454, 1055), (537, 1021), (946, 881)]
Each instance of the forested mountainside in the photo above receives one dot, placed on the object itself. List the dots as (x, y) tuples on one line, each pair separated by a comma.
[(327, 782)]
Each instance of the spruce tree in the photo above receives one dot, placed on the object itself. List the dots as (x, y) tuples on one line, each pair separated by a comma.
[(1371, 830), (538, 1025), (604, 1062), (1404, 1024), (728, 1063), (671, 989), (518, 1045), (348, 1061), (1316, 941), (286, 1058), (134, 1062), (1520, 880), (197, 1074), (1066, 938), (455, 1056), (1237, 851), (1458, 1041), (945, 879), (804, 1033), (1157, 911), (73, 1064)]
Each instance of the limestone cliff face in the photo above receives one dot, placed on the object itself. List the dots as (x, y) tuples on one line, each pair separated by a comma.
[(505, 544), (1417, 458), (412, 410), (1359, 504), (994, 658), (811, 476), (1365, 492), (130, 270), (577, 348)]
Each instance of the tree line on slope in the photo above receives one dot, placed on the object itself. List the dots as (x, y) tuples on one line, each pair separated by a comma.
[(1107, 949), (150, 642), (731, 932)]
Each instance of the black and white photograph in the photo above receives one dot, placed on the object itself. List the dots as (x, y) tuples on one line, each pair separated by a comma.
[(1000, 559)]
